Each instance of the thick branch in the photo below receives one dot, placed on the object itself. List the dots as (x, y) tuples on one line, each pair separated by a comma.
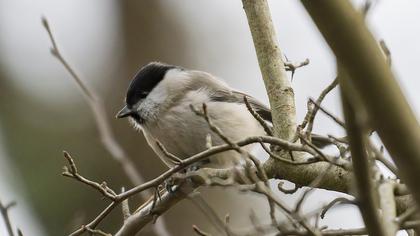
[(279, 90), (389, 113), (387, 203)]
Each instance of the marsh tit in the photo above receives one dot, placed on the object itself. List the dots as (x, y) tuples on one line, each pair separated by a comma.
[(159, 100)]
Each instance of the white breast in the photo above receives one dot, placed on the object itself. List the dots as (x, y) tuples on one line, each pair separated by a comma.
[(183, 133)]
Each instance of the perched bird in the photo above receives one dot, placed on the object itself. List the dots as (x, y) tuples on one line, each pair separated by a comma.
[(159, 101)]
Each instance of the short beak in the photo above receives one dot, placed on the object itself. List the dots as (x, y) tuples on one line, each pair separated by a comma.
[(124, 112)]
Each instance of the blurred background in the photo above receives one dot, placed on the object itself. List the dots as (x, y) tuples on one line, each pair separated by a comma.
[(42, 111)]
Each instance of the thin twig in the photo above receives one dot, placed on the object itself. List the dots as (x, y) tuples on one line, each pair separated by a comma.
[(176, 160), (406, 215), (378, 154), (339, 200), (329, 114), (107, 137), (290, 66), (310, 115), (95, 221), (289, 161), (268, 130), (287, 191), (73, 173), (199, 231), (4, 210), (105, 131), (201, 204)]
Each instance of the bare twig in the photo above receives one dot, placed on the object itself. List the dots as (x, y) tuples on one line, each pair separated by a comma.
[(95, 221), (176, 160), (4, 210), (357, 50), (199, 231), (329, 114), (287, 191), (107, 136), (310, 115), (201, 204), (289, 161), (268, 130), (205, 154), (290, 66), (406, 215), (378, 154), (339, 200), (386, 51), (345, 232), (149, 212), (96, 232), (366, 191), (72, 173), (98, 110)]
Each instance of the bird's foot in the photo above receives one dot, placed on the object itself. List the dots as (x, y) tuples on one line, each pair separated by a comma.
[(170, 185)]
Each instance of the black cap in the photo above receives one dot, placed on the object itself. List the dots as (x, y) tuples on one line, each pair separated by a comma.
[(145, 80)]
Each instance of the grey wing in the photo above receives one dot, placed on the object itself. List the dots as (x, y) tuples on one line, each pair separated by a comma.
[(261, 109), (238, 97)]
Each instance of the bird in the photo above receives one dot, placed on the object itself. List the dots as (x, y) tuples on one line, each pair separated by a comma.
[(161, 99)]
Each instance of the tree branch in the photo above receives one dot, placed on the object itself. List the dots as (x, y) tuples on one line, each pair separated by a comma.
[(104, 127), (367, 194), (389, 211), (4, 211), (374, 84), (279, 90)]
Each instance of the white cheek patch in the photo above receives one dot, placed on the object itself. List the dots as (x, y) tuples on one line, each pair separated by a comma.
[(173, 82)]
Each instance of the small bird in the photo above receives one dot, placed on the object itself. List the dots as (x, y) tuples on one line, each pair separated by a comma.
[(159, 102)]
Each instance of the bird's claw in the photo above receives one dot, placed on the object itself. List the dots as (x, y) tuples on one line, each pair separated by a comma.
[(170, 186)]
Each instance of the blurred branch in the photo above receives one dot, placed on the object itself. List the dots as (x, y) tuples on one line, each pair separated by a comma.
[(107, 137), (367, 194), (345, 232), (4, 210), (374, 84)]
